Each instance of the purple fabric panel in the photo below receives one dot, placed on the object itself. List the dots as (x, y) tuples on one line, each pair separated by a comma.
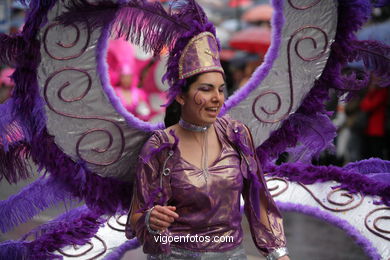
[(261, 72), (102, 66), (39, 195), (350, 180), (119, 252), (362, 241)]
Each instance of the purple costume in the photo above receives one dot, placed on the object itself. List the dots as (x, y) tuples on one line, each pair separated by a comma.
[(211, 209)]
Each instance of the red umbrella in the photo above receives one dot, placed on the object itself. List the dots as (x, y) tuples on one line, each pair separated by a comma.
[(239, 3), (253, 40), (258, 13)]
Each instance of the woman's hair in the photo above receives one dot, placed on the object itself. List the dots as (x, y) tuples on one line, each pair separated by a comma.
[(173, 111)]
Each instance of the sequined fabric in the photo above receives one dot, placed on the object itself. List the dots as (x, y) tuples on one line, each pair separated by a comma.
[(208, 209)]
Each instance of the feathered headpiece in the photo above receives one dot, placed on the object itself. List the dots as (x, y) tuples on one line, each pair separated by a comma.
[(183, 29)]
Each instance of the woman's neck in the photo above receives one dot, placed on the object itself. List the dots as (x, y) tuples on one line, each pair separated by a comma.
[(189, 126)]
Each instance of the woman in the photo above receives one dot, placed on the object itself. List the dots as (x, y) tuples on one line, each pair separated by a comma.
[(191, 174)]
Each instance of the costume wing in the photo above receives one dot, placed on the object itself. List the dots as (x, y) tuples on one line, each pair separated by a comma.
[(64, 116), (300, 48), (283, 105), (84, 115)]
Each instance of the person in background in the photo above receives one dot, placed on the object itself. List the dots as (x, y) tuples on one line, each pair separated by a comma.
[(374, 103), (121, 68)]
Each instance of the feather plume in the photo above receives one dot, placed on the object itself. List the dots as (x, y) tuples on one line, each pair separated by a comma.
[(10, 47), (30, 201), (143, 23), (120, 251), (75, 227), (14, 165), (316, 134), (375, 56), (380, 3)]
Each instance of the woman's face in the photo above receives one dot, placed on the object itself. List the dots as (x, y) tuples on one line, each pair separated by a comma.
[(204, 99)]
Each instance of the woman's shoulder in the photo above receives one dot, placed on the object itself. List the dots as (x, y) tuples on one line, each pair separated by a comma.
[(228, 123), (236, 132), (154, 142)]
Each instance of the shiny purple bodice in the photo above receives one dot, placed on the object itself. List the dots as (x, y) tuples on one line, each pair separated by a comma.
[(207, 208)]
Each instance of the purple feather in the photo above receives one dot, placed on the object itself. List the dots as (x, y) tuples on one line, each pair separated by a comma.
[(350, 180), (39, 195), (139, 21), (10, 47), (29, 107), (381, 3), (375, 56), (13, 250), (119, 252), (370, 166), (14, 165), (72, 228), (316, 134)]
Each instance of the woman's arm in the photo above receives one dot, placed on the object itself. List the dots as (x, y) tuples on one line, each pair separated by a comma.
[(265, 220), (151, 190)]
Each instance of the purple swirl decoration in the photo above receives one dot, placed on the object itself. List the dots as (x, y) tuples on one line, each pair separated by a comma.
[(276, 95), (374, 228), (276, 190), (107, 133), (83, 251), (118, 223), (59, 44), (347, 205)]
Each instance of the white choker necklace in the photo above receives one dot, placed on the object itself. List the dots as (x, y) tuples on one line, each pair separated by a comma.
[(192, 127)]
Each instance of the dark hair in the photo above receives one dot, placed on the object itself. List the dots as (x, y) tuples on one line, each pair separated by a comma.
[(173, 111)]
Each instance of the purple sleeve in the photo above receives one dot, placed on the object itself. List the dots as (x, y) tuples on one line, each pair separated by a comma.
[(264, 217), (148, 193)]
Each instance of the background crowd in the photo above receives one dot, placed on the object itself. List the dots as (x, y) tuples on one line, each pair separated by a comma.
[(244, 30)]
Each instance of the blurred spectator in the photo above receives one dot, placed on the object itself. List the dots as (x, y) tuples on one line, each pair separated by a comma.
[(6, 84), (355, 125), (121, 64), (374, 105), (120, 59)]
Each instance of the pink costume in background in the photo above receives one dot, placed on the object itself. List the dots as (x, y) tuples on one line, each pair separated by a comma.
[(121, 61), (209, 208)]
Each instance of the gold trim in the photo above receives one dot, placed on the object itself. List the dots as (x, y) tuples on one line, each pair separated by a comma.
[(206, 51)]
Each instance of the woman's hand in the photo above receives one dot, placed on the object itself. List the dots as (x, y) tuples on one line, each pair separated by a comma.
[(161, 217), (284, 258)]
